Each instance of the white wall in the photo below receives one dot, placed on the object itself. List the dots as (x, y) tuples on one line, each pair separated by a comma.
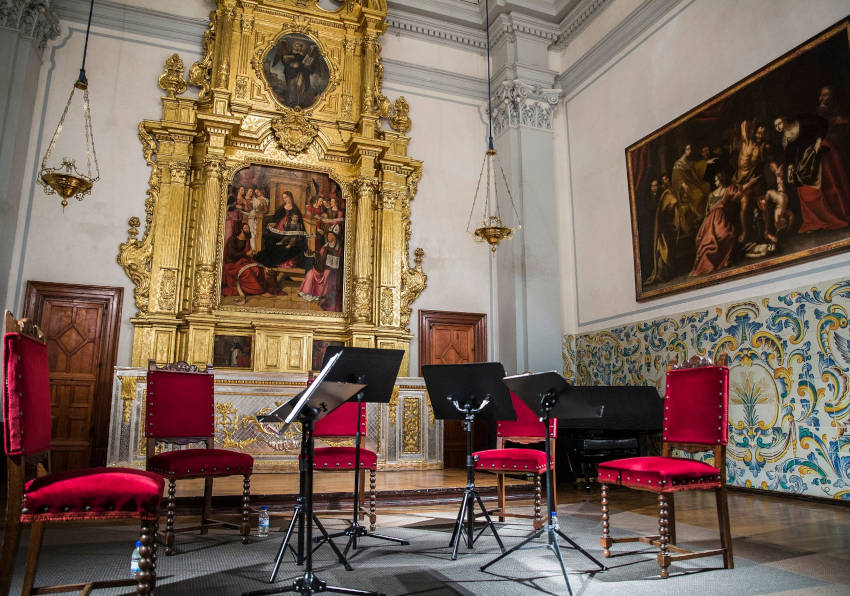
[(699, 49), (81, 244)]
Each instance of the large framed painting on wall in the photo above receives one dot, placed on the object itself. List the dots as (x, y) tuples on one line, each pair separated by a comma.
[(756, 177), (284, 240)]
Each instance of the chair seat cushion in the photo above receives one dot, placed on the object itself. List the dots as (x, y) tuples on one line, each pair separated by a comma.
[(194, 463), (94, 493), (659, 474), (511, 459), (331, 458)]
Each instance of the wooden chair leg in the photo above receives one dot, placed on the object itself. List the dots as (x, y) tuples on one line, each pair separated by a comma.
[(671, 517), (500, 495), (663, 540), (207, 507), (538, 517), (245, 528), (169, 518), (36, 537), (605, 540), (11, 540), (373, 477), (146, 577), (725, 532)]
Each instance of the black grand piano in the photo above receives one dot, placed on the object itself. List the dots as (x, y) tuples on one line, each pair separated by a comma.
[(631, 416)]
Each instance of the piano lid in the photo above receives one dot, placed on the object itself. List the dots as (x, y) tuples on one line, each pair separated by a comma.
[(629, 407)]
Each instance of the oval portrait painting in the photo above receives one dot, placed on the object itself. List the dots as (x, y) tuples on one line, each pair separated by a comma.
[(296, 71)]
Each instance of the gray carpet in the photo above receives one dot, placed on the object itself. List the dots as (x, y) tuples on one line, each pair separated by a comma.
[(219, 564)]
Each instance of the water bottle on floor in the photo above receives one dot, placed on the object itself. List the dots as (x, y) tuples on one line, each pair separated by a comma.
[(263, 525), (135, 558)]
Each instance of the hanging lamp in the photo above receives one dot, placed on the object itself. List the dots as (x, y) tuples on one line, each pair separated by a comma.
[(489, 226), (66, 179)]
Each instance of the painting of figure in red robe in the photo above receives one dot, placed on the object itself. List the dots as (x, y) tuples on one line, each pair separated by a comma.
[(756, 177), (283, 246)]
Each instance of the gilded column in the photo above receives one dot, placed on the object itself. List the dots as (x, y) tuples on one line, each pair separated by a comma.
[(207, 228), (226, 15), (350, 108), (364, 189)]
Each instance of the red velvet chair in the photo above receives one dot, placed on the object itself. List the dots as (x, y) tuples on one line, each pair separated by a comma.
[(180, 409), (526, 429), (695, 419), (100, 494), (342, 424)]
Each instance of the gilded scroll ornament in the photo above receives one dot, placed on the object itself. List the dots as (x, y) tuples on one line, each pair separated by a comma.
[(242, 87), (168, 290), (400, 120), (227, 425), (387, 304), (134, 257), (204, 288), (393, 406), (411, 415), (200, 74), (171, 79), (128, 396), (413, 282), (294, 132), (363, 299)]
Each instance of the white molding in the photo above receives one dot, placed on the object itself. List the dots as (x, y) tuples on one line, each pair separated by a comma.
[(436, 28), (397, 72), (577, 20), (639, 21)]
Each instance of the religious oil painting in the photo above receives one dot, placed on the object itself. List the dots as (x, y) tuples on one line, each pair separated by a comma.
[(284, 239), (296, 71), (756, 177), (319, 348), (232, 351)]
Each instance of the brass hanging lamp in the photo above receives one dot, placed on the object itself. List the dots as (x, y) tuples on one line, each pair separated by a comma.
[(66, 179), (489, 226)]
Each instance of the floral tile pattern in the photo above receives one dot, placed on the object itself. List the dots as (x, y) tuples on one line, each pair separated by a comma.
[(789, 359)]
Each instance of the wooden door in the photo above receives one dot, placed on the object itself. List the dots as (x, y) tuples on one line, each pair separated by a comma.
[(454, 338), (81, 325)]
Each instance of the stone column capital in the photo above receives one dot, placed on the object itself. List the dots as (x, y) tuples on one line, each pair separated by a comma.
[(522, 104), (34, 19)]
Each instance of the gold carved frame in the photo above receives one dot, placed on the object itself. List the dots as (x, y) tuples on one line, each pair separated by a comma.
[(352, 132)]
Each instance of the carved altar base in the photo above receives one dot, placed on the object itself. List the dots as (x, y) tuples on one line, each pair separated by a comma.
[(403, 433)]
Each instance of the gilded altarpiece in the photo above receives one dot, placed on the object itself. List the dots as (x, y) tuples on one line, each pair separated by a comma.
[(290, 116)]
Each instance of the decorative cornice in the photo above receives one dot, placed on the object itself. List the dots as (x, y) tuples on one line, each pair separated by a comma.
[(648, 14), (511, 24), (140, 21), (34, 19), (519, 104), (576, 21), (414, 75), (436, 29)]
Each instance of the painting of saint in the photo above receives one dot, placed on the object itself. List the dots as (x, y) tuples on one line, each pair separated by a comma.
[(296, 71), (754, 178), (232, 351), (284, 240)]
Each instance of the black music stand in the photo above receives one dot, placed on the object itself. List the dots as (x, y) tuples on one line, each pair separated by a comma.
[(549, 395), (377, 369), (463, 392), (315, 402)]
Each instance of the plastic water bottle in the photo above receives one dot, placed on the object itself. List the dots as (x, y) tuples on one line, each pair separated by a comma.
[(135, 558), (263, 523)]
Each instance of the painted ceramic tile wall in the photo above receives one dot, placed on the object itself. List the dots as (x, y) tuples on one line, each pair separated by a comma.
[(789, 387)]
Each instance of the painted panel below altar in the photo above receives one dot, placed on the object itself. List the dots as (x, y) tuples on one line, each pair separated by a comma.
[(403, 433)]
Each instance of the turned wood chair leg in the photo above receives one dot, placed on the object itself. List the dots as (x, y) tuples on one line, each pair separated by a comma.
[(245, 528), (605, 540), (373, 477), (207, 507), (500, 495), (725, 532), (663, 540), (671, 517), (11, 540), (538, 516), (146, 577), (36, 537), (169, 518)]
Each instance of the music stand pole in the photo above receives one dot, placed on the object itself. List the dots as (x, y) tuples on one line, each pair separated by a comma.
[(552, 530)]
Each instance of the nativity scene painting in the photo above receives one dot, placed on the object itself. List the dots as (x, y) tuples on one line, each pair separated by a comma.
[(284, 237), (296, 71), (757, 177)]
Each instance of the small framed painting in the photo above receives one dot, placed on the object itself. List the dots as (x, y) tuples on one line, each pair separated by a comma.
[(233, 351)]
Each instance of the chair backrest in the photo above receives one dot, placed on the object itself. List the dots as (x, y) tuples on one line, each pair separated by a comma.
[(342, 422), (527, 424), (26, 389), (696, 405), (180, 403)]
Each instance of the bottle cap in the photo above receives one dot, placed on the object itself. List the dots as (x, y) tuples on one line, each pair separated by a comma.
[(138, 543), (264, 508)]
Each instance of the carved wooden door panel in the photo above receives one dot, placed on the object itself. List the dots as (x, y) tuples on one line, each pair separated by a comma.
[(454, 338), (81, 325)]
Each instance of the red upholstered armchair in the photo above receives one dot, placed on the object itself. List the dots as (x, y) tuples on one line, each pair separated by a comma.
[(91, 494), (342, 424), (526, 429), (180, 409), (695, 419)]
